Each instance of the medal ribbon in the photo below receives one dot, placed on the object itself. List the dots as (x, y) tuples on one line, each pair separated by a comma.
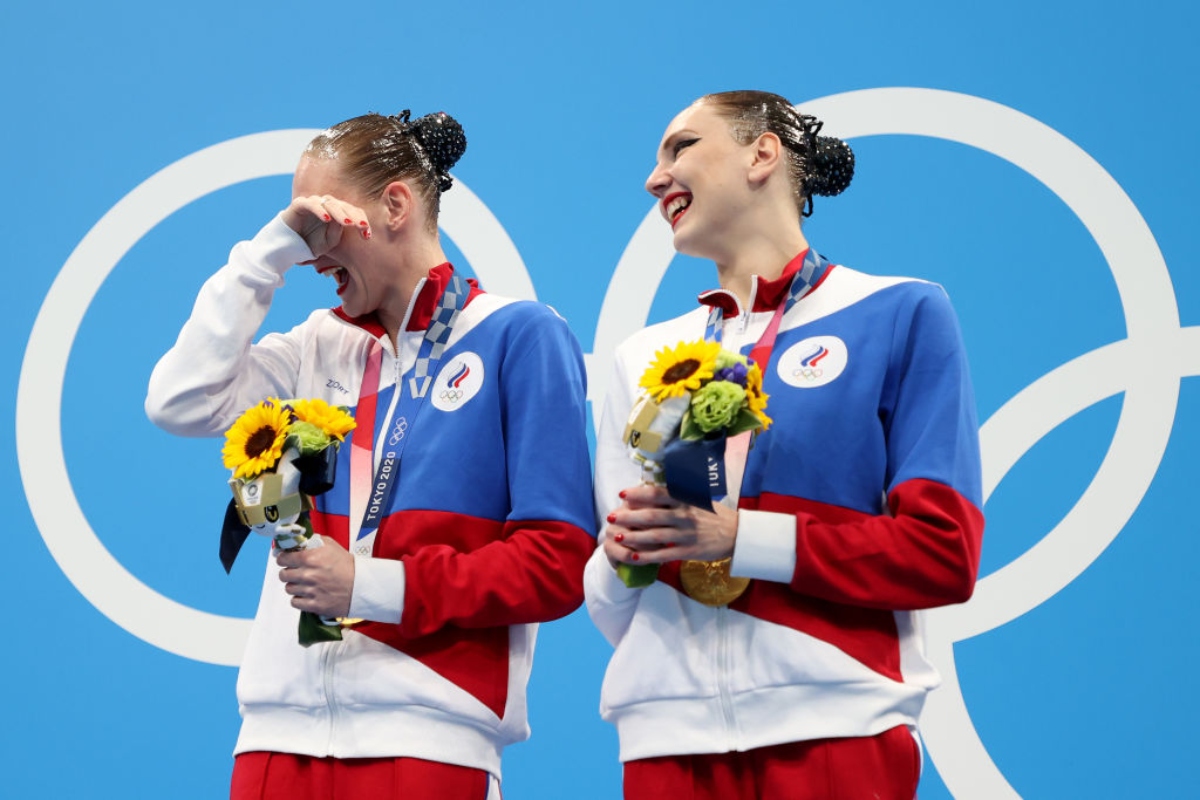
[(372, 496), (710, 582), (810, 273)]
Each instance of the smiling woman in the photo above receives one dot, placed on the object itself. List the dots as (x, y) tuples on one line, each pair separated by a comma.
[(417, 568), (860, 504)]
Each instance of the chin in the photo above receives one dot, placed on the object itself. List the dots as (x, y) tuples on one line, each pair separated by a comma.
[(689, 246)]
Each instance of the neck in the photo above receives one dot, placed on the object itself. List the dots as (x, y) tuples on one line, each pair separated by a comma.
[(413, 265), (765, 257)]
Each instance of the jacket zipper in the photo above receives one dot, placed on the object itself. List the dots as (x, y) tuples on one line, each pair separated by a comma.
[(327, 659), (723, 676), (330, 649)]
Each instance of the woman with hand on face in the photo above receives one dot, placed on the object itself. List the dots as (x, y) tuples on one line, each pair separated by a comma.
[(858, 506), (488, 523)]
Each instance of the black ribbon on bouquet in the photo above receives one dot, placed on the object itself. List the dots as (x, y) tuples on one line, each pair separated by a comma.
[(233, 535), (695, 471)]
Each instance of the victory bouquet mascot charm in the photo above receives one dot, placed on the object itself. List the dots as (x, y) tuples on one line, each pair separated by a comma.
[(282, 453)]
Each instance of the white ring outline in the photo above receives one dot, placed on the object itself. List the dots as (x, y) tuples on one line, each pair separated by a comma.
[(1091, 194), (104, 581), (1147, 356)]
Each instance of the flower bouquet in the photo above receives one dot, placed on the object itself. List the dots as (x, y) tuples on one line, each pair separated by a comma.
[(697, 394), (282, 452)]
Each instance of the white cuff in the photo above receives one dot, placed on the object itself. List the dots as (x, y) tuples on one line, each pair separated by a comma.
[(766, 546), (378, 593)]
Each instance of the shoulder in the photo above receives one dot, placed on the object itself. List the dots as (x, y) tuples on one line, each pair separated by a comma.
[(642, 345), (510, 310), (846, 288), (850, 285), (507, 319)]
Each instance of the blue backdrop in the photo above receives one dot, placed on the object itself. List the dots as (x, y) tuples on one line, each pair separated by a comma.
[(1039, 164)]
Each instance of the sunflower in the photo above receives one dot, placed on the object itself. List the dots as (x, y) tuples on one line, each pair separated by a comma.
[(683, 369), (332, 420), (254, 443), (756, 399)]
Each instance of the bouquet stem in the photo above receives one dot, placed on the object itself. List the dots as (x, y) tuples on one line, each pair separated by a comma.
[(637, 576), (313, 628)]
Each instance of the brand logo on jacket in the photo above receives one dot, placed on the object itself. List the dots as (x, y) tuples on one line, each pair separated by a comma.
[(813, 362), (458, 382)]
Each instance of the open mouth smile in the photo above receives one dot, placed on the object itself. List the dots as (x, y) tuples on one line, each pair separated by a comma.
[(339, 274), (674, 205)]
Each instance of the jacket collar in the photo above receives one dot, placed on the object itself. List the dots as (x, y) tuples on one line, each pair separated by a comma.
[(421, 307), (765, 295)]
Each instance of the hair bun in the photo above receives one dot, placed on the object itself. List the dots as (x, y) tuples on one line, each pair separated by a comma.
[(832, 167), (444, 142)]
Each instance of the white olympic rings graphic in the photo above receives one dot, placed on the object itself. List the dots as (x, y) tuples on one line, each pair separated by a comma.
[(398, 431), (1151, 361), (1146, 366), (452, 395)]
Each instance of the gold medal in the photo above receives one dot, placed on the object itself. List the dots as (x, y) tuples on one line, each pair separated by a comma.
[(710, 583), (348, 622)]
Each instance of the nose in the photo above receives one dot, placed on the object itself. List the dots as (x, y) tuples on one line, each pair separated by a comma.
[(658, 181)]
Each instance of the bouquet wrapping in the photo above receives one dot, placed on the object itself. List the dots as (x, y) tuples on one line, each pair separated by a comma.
[(695, 396), (282, 453)]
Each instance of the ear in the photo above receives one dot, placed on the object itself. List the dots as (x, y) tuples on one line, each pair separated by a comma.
[(766, 154), (399, 204)]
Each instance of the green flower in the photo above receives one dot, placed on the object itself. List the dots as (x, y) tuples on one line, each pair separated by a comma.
[(308, 438), (727, 358), (715, 406)]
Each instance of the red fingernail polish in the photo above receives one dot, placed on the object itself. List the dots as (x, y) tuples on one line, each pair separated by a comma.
[(327, 217), (618, 537), (363, 223), (621, 494), (634, 556), (611, 517), (348, 220)]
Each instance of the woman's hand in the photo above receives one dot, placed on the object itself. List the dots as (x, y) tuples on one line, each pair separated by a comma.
[(322, 221), (651, 527), (319, 579)]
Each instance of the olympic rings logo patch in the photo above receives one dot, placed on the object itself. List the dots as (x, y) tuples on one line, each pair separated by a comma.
[(458, 382), (813, 362)]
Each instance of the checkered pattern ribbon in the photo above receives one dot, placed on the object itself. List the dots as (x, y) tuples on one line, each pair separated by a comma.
[(809, 274), (371, 496), (437, 335)]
